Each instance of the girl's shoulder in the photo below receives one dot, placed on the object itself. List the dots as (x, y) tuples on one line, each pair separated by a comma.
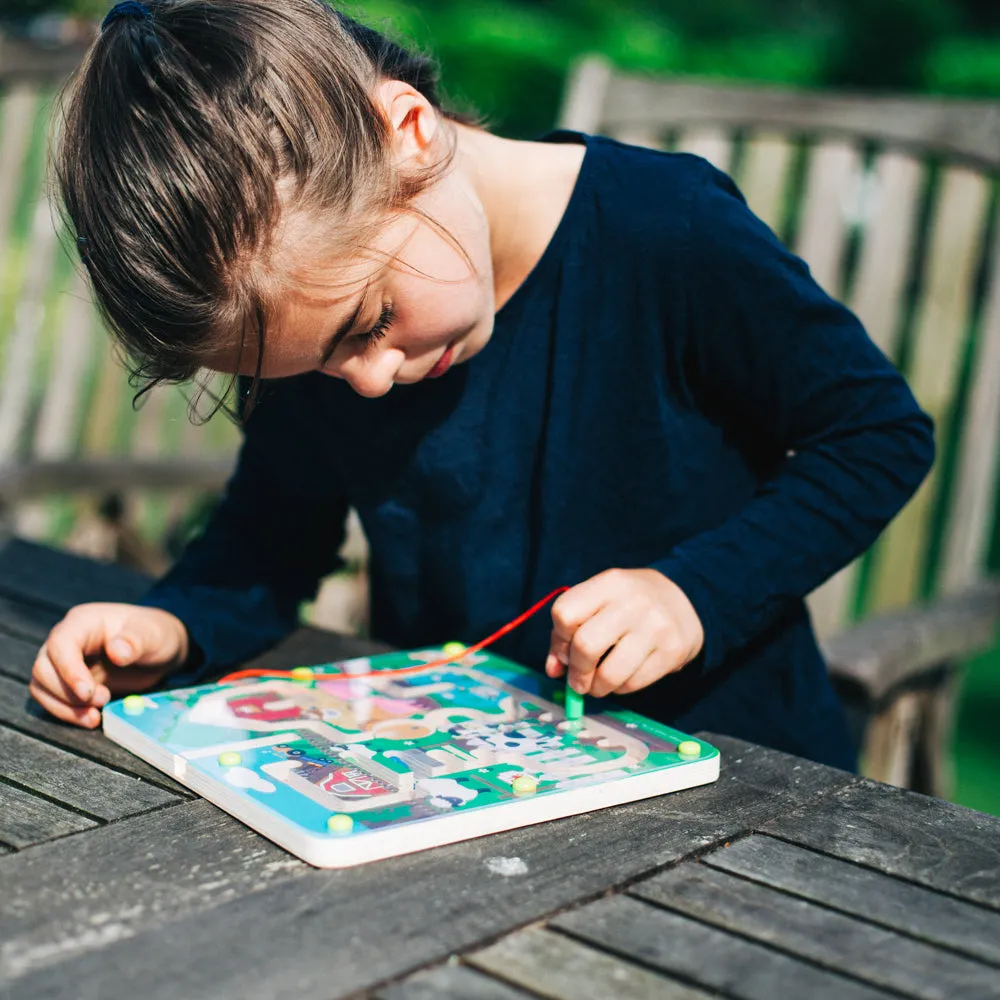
[(659, 200)]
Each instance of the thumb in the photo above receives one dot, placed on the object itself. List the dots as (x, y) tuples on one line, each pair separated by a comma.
[(123, 649), (144, 638)]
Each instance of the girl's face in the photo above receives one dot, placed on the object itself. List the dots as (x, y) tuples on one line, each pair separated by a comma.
[(408, 311)]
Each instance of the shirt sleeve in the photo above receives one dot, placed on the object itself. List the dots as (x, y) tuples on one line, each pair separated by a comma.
[(276, 532), (792, 375)]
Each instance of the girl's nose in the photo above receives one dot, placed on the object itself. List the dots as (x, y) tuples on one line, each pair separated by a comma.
[(373, 375)]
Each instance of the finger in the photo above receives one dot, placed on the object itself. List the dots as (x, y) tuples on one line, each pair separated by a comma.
[(65, 650), (578, 604), (78, 715), (629, 656), (45, 675), (661, 662), (592, 641), (554, 667)]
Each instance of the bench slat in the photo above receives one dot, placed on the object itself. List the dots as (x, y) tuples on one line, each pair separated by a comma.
[(970, 520), (940, 338), (714, 145), (765, 175)]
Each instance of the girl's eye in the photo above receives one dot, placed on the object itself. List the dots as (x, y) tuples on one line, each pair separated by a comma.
[(378, 331)]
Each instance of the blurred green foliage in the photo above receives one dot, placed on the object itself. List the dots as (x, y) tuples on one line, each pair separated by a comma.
[(509, 58)]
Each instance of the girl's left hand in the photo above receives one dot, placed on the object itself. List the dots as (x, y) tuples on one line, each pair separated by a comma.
[(622, 630)]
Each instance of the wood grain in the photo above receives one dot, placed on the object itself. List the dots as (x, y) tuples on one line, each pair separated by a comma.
[(451, 982), (861, 892), (966, 131), (118, 881), (706, 956), (796, 926), (556, 967), (915, 837), (20, 712), (39, 574), (26, 819), (75, 781)]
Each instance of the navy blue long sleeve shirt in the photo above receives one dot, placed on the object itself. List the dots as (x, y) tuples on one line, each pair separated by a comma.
[(667, 388)]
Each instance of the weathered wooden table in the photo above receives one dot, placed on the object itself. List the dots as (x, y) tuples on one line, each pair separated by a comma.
[(782, 880)]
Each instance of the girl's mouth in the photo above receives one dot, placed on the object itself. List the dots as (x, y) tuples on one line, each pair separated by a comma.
[(444, 363)]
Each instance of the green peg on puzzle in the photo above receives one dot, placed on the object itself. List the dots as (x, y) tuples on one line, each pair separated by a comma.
[(574, 704)]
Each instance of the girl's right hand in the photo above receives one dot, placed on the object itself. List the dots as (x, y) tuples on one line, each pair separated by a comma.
[(101, 651)]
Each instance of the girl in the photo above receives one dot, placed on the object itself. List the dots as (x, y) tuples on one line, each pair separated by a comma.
[(525, 364)]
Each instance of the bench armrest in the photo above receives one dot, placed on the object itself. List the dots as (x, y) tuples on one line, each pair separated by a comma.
[(893, 649)]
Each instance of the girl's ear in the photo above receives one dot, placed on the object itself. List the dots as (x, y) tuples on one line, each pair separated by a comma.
[(413, 120)]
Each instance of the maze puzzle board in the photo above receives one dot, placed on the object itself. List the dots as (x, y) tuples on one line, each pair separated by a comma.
[(345, 763)]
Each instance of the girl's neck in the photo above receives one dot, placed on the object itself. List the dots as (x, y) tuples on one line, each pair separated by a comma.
[(524, 188)]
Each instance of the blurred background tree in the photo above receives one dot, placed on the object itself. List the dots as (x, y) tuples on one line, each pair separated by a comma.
[(508, 58)]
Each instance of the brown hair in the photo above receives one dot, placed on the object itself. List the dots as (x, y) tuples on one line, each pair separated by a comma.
[(172, 139)]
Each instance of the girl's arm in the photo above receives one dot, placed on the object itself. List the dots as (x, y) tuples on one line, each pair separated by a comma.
[(275, 534), (791, 374)]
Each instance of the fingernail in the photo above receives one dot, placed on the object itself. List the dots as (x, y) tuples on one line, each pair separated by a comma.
[(121, 649), (102, 697)]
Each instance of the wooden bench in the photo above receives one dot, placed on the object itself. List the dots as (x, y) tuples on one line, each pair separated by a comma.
[(893, 204), (77, 466)]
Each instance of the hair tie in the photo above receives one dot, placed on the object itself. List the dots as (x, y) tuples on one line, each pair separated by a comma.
[(125, 9)]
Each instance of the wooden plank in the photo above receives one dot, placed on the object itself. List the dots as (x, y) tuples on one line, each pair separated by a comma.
[(888, 225), (301, 922), (75, 781), (310, 646), (833, 183), (19, 107), (100, 476), (764, 176), (22, 58), (638, 135), (849, 888), (17, 656), (886, 252), (796, 926), (704, 955), (971, 518), (20, 712), (556, 967), (915, 837), (889, 650), (714, 145), (26, 819), (965, 130), (114, 882), (584, 101), (60, 417), (940, 340), (451, 982), (17, 381), (53, 578), (26, 620)]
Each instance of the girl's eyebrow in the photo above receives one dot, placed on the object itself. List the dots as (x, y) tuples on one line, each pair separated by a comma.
[(345, 327)]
